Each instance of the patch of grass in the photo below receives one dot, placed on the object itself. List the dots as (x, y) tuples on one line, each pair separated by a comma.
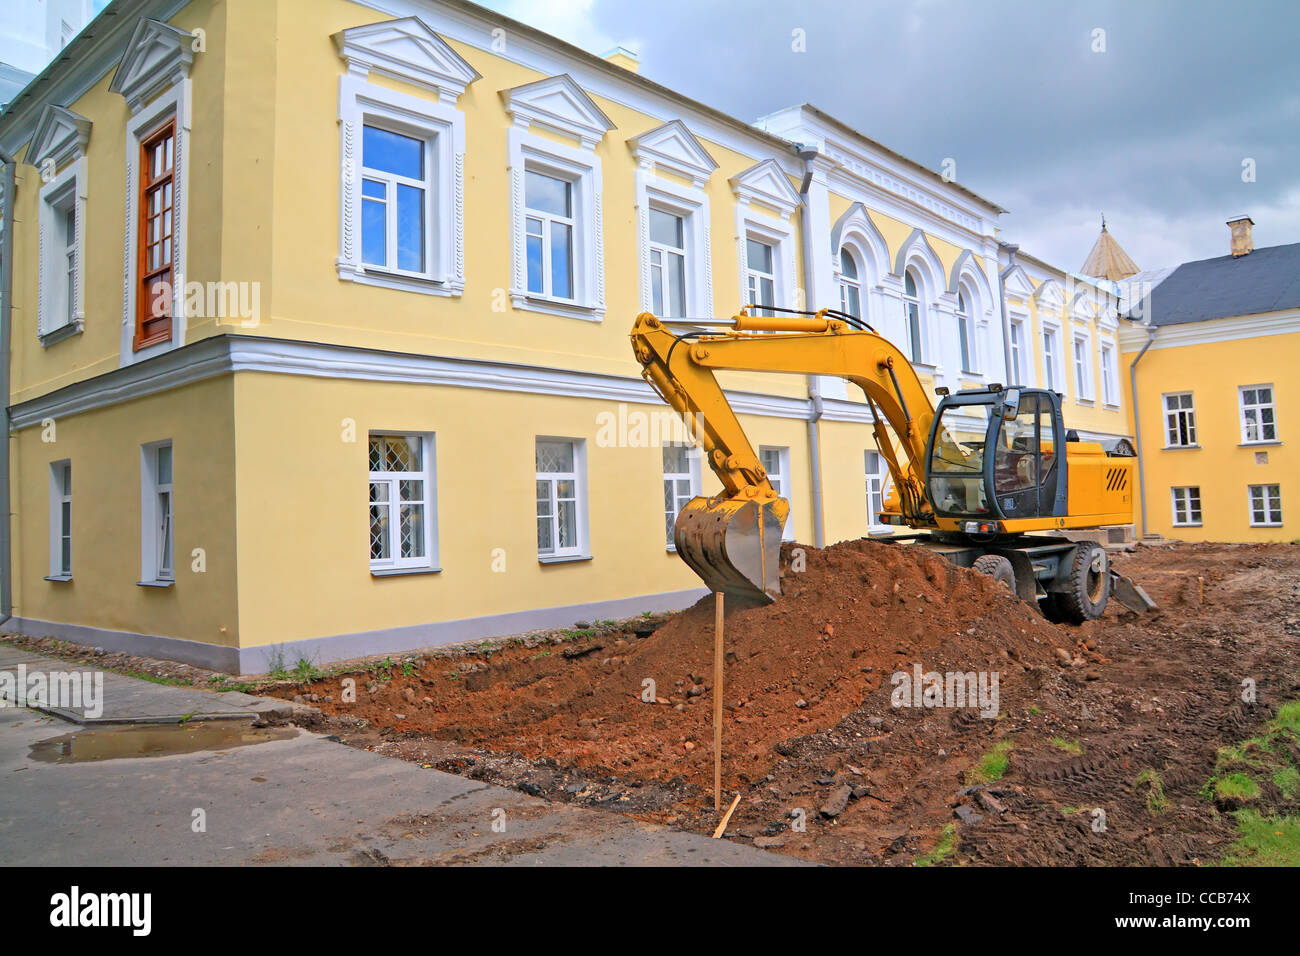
[(305, 671), (993, 765), (1069, 746), (1287, 719), (539, 655), (942, 849), (1236, 787), (1157, 802), (1035, 710), (1071, 810), (1264, 841), (1287, 779), (154, 678)]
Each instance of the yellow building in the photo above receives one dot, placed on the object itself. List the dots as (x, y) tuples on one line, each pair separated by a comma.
[(1213, 346), (363, 382)]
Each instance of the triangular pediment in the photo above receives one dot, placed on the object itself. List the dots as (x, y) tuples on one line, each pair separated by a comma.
[(674, 147), (157, 57), (408, 50), (558, 104), (1018, 285), (768, 184), (60, 135), (1050, 296)]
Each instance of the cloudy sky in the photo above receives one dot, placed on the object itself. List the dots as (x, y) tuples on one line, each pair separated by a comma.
[(1153, 131)]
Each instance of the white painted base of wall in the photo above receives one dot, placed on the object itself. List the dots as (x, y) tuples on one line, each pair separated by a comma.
[(339, 647)]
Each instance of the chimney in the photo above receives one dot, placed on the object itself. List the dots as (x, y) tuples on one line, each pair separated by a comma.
[(1242, 241), (622, 56)]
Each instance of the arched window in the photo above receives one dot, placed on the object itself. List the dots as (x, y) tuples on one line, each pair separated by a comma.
[(912, 309), (850, 287), (964, 337)]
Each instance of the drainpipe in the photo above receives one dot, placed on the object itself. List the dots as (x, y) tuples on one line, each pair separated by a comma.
[(1011, 249), (814, 384), (1137, 424), (8, 168)]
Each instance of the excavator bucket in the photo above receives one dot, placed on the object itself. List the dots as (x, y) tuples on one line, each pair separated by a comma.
[(734, 545)]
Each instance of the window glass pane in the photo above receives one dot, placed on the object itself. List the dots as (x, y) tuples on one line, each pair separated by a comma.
[(374, 224), (561, 260), (848, 268), (758, 255), (676, 459), (165, 465), (548, 194), (676, 286), (410, 228), (554, 456), (534, 250), (379, 540), (568, 524), (392, 152), (412, 530), (854, 302), (909, 284), (666, 229)]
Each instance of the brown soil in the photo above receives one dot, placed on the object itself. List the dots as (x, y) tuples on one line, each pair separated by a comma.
[(828, 769)]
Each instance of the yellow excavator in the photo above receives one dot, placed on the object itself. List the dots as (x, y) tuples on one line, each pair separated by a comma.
[(982, 479)]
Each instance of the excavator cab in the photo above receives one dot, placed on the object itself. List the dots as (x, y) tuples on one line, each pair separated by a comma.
[(993, 455)]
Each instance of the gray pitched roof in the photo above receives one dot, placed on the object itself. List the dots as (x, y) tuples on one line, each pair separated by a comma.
[(1266, 280)]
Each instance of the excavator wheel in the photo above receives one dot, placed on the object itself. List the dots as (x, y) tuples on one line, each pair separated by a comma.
[(998, 568), (1087, 583)]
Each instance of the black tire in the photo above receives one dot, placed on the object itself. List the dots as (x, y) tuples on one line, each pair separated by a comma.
[(996, 567), (1087, 584)]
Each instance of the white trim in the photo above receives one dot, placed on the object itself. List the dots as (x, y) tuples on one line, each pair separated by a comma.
[(1174, 501), (151, 518), (407, 50), (694, 475), (1056, 359), (1086, 379), (60, 137), (1133, 335), (783, 483), (57, 497), (1111, 394), (1190, 413), (581, 550), (582, 168), (157, 58), (145, 118), (429, 475), (1241, 413), (557, 104), (881, 475), (442, 128), (692, 205), (57, 319), (1250, 505), (673, 148)]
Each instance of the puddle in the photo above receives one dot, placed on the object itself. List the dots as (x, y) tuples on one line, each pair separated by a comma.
[(154, 740)]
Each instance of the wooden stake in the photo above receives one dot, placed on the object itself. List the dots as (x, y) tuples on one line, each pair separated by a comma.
[(722, 827), (717, 702)]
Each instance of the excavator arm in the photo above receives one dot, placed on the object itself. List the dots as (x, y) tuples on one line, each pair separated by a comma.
[(733, 541)]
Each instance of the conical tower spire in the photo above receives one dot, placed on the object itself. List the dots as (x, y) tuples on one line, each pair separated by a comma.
[(1107, 260)]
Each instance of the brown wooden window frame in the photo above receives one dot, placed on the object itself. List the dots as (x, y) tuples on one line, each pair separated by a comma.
[(151, 329)]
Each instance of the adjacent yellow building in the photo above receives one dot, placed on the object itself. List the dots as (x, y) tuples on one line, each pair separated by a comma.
[(319, 325)]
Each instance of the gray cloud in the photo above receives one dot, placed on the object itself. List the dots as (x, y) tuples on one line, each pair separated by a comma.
[(1153, 131)]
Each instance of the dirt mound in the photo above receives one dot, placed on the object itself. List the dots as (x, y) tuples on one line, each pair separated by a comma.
[(850, 617)]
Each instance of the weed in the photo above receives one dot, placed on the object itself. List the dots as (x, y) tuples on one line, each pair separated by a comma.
[(942, 849), (1157, 802), (1069, 746), (993, 765)]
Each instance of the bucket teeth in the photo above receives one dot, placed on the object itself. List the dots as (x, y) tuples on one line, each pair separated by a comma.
[(734, 545)]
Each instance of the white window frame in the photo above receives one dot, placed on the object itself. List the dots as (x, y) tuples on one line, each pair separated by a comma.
[(547, 220), (880, 477), (1182, 495), (1053, 367), (1110, 375), (692, 205), (395, 563), (755, 277), (60, 494), (918, 352), (848, 284), (966, 323), (1258, 407), (156, 522), (781, 482), (1185, 416), (581, 550), (57, 318), (581, 168), (1081, 361), (441, 127), (693, 475), (1017, 349), (1269, 502)]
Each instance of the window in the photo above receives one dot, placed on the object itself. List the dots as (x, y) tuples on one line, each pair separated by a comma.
[(681, 483), (402, 503), (850, 285), (1187, 506), (154, 297), (561, 499), (760, 276), (1016, 329), (1083, 369), (964, 331), (157, 534), (61, 520), (874, 468), (1109, 376), (912, 314), (1265, 506), (1049, 358), (394, 201), (1180, 421), (549, 227), (1258, 421), (60, 309), (667, 263), (776, 462)]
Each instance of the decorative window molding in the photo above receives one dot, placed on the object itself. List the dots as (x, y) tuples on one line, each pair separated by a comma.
[(1084, 379), (673, 149), (776, 462), (765, 203), (1022, 371), (441, 129), (157, 509), (855, 232), (1053, 356), (1110, 393), (403, 502), (406, 50), (968, 272), (153, 77), (1018, 285), (61, 292), (1049, 298), (916, 256), (558, 106), (562, 533), (683, 479), (60, 137)]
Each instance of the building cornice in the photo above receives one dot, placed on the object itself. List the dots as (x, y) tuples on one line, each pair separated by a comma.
[(1132, 335)]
